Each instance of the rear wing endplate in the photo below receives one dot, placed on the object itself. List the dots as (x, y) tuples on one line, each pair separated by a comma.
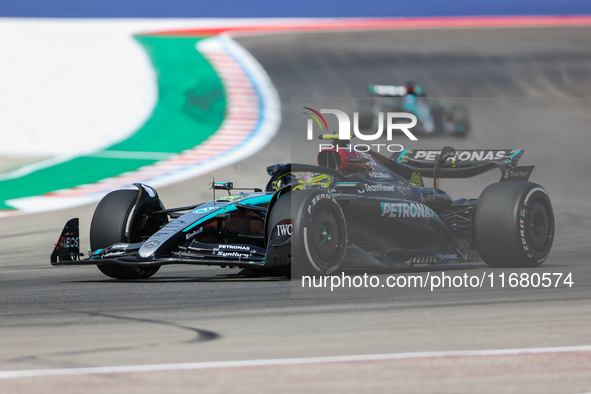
[(387, 90)]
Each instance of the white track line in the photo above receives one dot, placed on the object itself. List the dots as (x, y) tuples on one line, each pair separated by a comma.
[(290, 361)]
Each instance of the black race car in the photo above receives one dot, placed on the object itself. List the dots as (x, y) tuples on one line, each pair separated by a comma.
[(353, 209)]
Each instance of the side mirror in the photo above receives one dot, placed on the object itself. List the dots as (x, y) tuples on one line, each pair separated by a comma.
[(223, 185)]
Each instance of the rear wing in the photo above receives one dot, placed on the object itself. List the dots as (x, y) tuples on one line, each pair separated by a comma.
[(387, 90), (463, 164)]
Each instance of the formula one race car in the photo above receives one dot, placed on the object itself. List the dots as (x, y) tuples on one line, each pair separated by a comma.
[(353, 209), (434, 116)]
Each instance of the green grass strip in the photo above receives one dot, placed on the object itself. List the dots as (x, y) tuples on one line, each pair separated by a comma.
[(191, 107)]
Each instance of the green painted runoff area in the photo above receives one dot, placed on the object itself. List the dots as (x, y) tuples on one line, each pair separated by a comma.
[(191, 107)]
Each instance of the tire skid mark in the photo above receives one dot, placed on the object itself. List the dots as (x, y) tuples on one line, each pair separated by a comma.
[(202, 335), (47, 359)]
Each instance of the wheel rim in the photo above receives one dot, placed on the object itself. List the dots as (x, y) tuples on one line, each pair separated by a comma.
[(537, 226), (325, 235)]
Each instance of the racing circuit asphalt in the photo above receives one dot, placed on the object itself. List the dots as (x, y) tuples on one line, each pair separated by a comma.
[(524, 88)]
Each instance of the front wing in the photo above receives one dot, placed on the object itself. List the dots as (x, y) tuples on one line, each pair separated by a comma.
[(67, 252)]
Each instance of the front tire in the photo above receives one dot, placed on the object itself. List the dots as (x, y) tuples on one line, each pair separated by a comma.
[(110, 225), (319, 233), (513, 224)]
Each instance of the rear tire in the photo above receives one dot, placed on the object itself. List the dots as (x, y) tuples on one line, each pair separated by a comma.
[(513, 224), (110, 226)]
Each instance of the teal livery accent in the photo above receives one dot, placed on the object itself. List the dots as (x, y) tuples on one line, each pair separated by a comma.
[(259, 200), (513, 155), (439, 220), (229, 208), (402, 154)]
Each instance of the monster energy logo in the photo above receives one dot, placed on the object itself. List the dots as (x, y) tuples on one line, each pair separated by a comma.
[(416, 179)]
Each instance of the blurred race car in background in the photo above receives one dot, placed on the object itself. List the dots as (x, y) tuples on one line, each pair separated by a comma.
[(434, 116)]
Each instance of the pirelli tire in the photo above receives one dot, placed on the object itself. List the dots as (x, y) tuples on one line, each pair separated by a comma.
[(513, 224), (319, 237), (110, 225)]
